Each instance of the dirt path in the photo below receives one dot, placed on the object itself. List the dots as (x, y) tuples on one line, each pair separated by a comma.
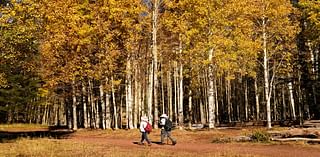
[(201, 147)]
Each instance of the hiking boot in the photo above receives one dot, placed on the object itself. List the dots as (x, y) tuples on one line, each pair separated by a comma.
[(174, 142), (140, 143)]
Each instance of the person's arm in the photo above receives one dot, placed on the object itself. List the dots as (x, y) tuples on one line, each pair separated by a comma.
[(143, 124)]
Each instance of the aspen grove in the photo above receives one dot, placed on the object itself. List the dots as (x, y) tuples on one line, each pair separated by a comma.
[(105, 63)]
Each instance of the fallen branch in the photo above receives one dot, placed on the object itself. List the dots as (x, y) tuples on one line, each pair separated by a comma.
[(296, 139)]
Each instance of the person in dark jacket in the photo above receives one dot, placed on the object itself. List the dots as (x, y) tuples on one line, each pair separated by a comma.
[(166, 126)]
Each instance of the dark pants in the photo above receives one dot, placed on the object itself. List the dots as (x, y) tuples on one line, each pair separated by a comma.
[(164, 134), (144, 136)]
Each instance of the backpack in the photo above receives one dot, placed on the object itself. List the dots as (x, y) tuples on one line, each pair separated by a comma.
[(168, 125), (148, 128)]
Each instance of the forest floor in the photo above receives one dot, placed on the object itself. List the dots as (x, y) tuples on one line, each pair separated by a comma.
[(124, 143)]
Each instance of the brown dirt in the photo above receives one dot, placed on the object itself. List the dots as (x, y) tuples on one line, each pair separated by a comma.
[(200, 144)]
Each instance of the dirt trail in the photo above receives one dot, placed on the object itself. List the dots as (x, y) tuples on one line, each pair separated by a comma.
[(201, 147)]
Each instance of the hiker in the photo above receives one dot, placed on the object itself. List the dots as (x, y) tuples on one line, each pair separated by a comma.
[(144, 134), (166, 126)]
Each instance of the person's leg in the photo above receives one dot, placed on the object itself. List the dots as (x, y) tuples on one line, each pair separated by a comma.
[(174, 142), (147, 139), (163, 134), (142, 137)]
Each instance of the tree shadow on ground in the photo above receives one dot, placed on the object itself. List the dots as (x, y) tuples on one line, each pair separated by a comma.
[(55, 132)]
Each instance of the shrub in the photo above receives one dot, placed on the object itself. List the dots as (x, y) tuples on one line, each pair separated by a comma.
[(260, 136)]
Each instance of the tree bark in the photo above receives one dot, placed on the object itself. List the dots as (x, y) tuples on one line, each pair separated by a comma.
[(211, 102), (266, 73), (155, 59), (103, 106), (257, 99), (84, 103), (180, 104), (115, 113), (293, 111)]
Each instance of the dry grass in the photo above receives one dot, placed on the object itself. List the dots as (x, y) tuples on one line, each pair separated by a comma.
[(45, 147), (9, 127), (67, 148)]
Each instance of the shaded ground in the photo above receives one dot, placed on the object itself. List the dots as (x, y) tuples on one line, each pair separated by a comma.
[(9, 134)]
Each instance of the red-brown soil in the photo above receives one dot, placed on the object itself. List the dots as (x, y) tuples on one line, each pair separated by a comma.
[(199, 143)]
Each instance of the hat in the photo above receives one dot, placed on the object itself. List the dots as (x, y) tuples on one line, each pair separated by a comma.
[(164, 116)]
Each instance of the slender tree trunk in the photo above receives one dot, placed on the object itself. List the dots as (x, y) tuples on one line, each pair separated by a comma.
[(190, 113), (216, 101), (169, 93), (292, 100), (44, 116), (97, 113), (275, 114), (266, 74), (121, 111), (162, 95), (180, 105), (228, 97), (108, 112), (202, 106), (175, 91), (257, 99), (246, 103), (129, 96), (211, 102), (90, 103), (284, 108), (300, 104), (155, 59), (115, 113), (107, 108), (74, 107), (103, 105), (68, 113), (149, 93), (136, 96), (84, 102)]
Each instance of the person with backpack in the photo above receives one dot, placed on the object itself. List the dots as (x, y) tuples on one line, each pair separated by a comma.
[(166, 126), (145, 129)]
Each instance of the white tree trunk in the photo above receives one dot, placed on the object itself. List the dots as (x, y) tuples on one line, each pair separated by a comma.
[(176, 96), (266, 73), (74, 107), (211, 103), (216, 101), (149, 93), (169, 93), (115, 113), (257, 99), (107, 109), (246, 103), (136, 96), (293, 111), (155, 59), (190, 113), (180, 104), (84, 103), (228, 95), (91, 104), (103, 105), (129, 96)]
